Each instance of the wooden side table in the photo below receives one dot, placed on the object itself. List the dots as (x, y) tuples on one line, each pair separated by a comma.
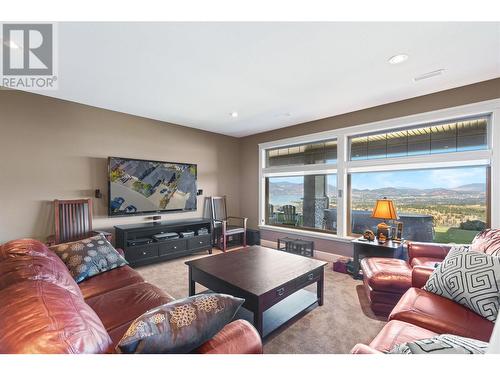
[(388, 249)]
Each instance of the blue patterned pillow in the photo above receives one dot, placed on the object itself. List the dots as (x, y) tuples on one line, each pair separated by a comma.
[(179, 326), (469, 278), (89, 257)]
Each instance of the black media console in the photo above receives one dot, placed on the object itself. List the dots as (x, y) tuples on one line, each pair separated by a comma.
[(134, 238)]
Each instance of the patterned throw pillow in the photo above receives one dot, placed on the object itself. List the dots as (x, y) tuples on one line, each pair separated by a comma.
[(180, 326), (469, 278), (89, 257), (442, 344), (487, 241)]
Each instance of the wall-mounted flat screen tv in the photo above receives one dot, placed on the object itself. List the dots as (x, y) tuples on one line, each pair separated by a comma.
[(148, 186)]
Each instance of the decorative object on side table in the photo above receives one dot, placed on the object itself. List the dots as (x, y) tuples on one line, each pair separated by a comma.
[(384, 209), (369, 235), (398, 232)]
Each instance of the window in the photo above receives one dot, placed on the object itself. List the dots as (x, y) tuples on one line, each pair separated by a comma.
[(308, 202), (303, 154), (456, 136), (440, 168), (435, 205)]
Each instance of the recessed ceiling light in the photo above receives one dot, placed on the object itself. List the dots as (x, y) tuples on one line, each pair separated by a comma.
[(398, 59), (234, 114)]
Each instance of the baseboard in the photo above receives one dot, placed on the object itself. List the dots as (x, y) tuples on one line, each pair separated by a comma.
[(321, 255)]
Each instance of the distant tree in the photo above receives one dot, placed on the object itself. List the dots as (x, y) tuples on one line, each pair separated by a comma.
[(476, 225)]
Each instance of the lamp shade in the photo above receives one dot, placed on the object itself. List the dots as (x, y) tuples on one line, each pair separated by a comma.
[(385, 210)]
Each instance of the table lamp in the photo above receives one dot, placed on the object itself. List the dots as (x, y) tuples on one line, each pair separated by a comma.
[(384, 209)]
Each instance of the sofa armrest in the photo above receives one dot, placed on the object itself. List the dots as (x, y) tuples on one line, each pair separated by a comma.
[(427, 250), (364, 349), (238, 337), (420, 275)]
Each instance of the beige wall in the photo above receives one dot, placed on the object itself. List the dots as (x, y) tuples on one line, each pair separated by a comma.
[(57, 149), (249, 158)]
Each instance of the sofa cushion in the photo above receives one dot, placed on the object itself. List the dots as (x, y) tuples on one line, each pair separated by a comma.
[(40, 317), (440, 315), (426, 262), (122, 306), (104, 282), (397, 332), (442, 344), (26, 267), (469, 278), (387, 274), (180, 326), (487, 241), (89, 257)]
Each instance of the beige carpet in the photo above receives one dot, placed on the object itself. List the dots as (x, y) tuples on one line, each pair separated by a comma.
[(344, 320)]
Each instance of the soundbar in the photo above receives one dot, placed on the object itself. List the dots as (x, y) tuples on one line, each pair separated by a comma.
[(165, 236)]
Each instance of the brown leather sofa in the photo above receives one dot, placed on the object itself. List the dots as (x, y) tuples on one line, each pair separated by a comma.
[(420, 314), (43, 310), (386, 279)]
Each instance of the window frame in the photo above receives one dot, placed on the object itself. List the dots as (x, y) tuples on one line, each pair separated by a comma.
[(344, 166), (309, 229)]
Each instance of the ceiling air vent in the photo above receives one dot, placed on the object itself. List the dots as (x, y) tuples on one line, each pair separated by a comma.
[(429, 75)]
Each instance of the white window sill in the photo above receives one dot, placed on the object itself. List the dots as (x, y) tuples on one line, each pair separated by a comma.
[(307, 233)]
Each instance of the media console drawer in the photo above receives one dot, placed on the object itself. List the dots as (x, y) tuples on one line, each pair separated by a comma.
[(137, 253), (199, 241), (172, 246)]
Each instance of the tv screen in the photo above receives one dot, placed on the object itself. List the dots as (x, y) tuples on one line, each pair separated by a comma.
[(148, 186)]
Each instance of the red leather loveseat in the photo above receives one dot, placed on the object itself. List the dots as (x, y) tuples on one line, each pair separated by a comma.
[(420, 314), (43, 310)]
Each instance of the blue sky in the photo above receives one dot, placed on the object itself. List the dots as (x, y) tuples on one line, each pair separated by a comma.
[(422, 179)]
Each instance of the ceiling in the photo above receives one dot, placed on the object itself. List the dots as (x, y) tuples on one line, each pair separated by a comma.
[(273, 74)]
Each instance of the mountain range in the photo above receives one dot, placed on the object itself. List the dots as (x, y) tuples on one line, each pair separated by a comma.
[(297, 189)]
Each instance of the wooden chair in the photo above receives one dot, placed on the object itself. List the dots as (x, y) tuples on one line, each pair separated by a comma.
[(73, 221), (289, 215), (224, 226)]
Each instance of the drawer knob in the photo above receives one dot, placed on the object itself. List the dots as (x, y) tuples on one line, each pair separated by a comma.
[(280, 291), (175, 247), (310, 276), (143, 253), (201, 242)]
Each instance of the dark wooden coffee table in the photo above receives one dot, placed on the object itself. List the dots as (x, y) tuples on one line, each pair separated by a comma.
[(271, 282)]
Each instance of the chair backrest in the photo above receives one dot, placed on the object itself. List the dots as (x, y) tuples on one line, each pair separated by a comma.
[(73, 219), (218, 208), (289, 212)]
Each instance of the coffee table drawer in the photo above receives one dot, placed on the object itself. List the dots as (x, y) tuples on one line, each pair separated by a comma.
[(308, 278), (277, 294), (138, 253)]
